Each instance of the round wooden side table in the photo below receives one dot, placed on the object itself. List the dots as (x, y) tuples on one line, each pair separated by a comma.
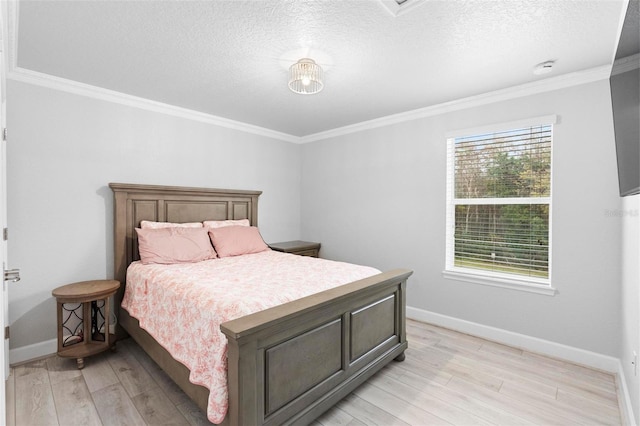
[(84, 330)]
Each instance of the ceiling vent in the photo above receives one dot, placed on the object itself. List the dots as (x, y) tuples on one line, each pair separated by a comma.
[(400, 7)]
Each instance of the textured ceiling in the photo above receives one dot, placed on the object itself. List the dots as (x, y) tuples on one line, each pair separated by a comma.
[(230, 58)]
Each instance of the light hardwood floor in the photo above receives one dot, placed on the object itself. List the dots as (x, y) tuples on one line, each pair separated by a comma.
[(447, 378)]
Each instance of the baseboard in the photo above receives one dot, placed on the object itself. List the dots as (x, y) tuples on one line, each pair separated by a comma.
[(31, 352), (540, 346), (522, 341), (533, 344), (624, 399)]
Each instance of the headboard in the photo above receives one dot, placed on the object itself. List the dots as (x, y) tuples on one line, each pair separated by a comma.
[(134, 203)]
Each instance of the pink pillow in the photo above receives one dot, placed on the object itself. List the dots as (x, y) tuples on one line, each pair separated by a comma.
[(237, 240), (223, 223), (174, 245), (147, 224)]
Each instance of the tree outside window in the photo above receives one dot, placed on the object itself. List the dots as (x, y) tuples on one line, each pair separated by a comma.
[(499, 195)]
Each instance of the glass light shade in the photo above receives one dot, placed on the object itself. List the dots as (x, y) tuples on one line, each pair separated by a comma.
[(305, 77)]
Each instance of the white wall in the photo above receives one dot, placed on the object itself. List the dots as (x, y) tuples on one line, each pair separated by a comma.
[(378, 197), (63, 151), (375, 197), (629, 215)]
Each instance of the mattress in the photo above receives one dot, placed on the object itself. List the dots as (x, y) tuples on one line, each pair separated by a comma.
[(183, 305)]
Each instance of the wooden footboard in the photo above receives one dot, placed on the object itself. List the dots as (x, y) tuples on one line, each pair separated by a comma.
[(290, 363)]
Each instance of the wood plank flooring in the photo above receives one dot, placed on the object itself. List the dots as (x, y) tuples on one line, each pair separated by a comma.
[(447, 378)]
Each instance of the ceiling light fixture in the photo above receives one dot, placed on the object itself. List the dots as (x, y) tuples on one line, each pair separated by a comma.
[(305, 77), (543, 68)]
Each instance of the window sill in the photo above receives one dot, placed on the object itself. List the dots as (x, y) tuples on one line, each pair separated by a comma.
[(529, 286)]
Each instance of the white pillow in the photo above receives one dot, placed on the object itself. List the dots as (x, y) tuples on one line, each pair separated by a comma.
[(147, 224), (222, 223)]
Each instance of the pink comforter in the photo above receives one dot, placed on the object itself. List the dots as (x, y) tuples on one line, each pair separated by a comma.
[(182, 306)]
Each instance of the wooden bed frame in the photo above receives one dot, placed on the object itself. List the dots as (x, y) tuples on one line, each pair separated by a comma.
[(287, 364)]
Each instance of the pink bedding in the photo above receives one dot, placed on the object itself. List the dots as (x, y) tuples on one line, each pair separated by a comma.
[(183, 305)]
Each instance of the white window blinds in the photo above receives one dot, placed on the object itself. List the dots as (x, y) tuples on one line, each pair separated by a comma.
[(498, 202)]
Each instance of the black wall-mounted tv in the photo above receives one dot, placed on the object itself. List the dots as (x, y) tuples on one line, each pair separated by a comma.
[(625, 100)]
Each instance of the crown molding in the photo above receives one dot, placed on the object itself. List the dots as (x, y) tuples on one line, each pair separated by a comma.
[(629, 63), (540, 86), (528, 89), (23, 75), (70, 86)]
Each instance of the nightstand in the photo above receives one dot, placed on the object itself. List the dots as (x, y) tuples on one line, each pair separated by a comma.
[(302, 248), (83, 318)]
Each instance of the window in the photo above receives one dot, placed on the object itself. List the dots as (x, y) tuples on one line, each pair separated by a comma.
[(498, 205)]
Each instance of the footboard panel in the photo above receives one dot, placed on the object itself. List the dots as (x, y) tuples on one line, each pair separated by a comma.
[(372, 325), (309, 359), (288, 364)]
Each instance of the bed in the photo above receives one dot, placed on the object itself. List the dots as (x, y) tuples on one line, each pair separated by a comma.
[(358, 327)]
